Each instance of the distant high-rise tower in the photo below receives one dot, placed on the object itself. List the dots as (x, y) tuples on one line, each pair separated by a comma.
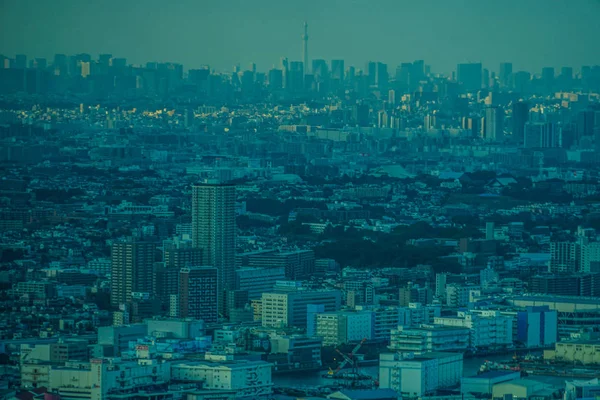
[(520, 117), (494, 123), (470, 76), (305, 49), (506, 70), (213, 228), (131, 270)]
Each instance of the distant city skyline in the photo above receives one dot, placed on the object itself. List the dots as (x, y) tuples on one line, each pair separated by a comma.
[(539, 34)]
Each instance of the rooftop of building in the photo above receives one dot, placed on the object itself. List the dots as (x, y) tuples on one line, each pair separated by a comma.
[(492, 375), (580, 342), (558, 299), (231, 364), (434, 328)]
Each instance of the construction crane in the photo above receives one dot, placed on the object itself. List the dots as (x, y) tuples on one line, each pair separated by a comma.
[(351, 378), (348, 359)]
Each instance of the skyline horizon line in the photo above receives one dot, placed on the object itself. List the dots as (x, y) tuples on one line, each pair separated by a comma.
[(576, 69)]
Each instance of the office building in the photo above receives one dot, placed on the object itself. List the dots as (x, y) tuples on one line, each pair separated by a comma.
[(320, 70), (289, 308), (522, 82), (132, 270), (487, 328), (256, 280), (417, 73), (198, 295), (548, 79), (275, 79), (337, 70), (213, 228), (298, 264), (295, 77), (404, 73), (505, 74), (340, 327), (377, 74), (385, 320), (470, 76), (381, 77)]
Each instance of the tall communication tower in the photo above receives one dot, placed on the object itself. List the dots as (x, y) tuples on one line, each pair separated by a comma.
[(305, 49)]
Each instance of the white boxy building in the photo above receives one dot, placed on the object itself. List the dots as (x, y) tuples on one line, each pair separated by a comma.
[(415, 376), (249, 379)]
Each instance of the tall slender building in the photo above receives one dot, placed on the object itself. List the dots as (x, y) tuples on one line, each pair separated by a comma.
[(520, 117), (305, 49), (494, 124), (213, 228), (132, 266)]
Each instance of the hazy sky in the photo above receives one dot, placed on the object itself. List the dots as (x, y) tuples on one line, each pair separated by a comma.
[(221, 33)]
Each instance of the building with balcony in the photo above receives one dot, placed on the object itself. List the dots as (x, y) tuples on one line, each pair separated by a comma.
[(429, 338)]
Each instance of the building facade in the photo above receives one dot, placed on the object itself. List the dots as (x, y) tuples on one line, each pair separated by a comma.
[(213, 228)]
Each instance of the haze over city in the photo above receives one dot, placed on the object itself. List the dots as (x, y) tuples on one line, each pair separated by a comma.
[(532, 34), (278, 200)]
